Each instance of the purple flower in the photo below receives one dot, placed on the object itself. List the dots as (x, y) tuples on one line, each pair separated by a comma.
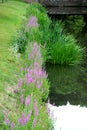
[(36, 112), (7, 122), (34, 123), (40, 72), (29, 78), (27, 101), (28, 116), (12, 125), (35, 72), (33, 22), (38, 84), (20, 121), (20, 83), (35, 108), (23, 119)]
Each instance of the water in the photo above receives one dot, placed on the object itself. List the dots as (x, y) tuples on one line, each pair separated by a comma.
[(68, 84)]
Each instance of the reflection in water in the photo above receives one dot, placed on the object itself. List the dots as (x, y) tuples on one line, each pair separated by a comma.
[(69, 117), (68, 83)]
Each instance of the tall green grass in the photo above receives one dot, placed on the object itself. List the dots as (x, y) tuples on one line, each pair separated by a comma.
[(68, 53), (63, 48)]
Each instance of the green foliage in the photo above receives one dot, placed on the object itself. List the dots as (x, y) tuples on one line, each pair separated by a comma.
[(40, 13), (74, 24), (66, 52), (63, 48), (41, 33), (20, 40), (56, 31), (27, 33)]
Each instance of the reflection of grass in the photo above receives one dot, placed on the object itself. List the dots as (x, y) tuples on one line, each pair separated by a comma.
[(64, 78), (68, 83), (11, 14)]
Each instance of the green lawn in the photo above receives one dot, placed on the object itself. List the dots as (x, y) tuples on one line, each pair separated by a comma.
[(11, 16)]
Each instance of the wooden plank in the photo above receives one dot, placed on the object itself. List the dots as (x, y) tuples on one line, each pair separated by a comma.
[(66, 10), (63, 2)]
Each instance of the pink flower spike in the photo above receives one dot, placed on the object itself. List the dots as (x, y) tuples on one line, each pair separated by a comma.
[(12, 125), (38, 85), (20, 83), (33, 22), (27, 101), (34, 123), (36, 112), (29, 78), (7, 122), (23, 119), (28, 116)]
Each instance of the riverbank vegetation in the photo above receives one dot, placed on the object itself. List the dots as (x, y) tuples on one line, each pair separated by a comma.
[(60, 46), (24, 86)]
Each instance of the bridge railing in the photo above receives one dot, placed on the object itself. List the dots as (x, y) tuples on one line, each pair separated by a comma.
[(63, 2)]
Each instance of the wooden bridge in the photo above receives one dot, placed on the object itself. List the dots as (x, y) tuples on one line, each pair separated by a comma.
[(64, 6)]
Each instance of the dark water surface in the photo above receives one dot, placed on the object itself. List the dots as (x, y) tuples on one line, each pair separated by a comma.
[(68, 83)]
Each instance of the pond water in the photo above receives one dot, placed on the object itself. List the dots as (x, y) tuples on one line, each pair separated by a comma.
[(68, 84)]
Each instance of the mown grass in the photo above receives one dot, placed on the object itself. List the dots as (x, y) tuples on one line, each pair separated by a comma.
[(11, 15)]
